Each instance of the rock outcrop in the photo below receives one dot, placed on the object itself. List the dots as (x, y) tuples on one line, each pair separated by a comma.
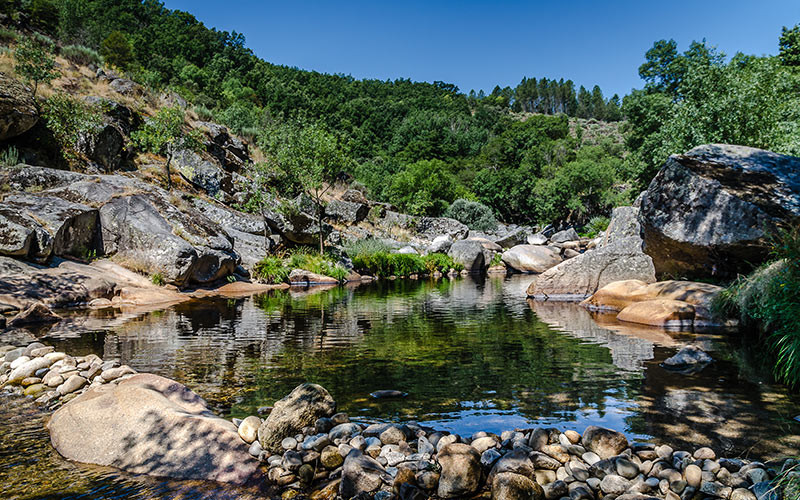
[(17, 109), (710, 211), (152, 425), (470, 254)]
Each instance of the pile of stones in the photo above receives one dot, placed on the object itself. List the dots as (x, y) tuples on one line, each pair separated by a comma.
[(52, 377), (337, 458)]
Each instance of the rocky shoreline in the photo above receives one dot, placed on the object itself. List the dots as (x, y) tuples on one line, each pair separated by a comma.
[(305, 449)]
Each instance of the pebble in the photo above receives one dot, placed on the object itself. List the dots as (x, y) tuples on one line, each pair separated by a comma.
[(664, 452), (71, 385), (289, 443), (590, 457), (693, 475), (704, 453), (248, 429)]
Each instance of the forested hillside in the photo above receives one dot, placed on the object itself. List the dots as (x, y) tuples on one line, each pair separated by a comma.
[(532, 153)]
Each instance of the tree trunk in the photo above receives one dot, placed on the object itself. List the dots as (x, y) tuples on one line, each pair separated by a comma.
[(169, 177), (319, 221)]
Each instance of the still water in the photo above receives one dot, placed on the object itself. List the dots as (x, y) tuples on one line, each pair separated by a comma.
[(472, 354)]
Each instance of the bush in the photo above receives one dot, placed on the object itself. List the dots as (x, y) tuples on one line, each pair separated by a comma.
[(317, 263), (440, 262), (9, 157), (70, 119), (271, 269), (79, 54), (384, 264), (595, 226), (473, 214), (158, 279), (770, 299), (116, 50), (365, 247), (203, 113), (8, 35)]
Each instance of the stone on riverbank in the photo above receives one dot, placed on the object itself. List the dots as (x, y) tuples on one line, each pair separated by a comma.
[(299, 409), (531, 258), (151, 425), (461, 470)]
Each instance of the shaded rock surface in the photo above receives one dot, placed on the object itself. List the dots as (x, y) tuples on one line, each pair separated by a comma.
[(17, 109), (299, 409), (708, 212), (151, 425)]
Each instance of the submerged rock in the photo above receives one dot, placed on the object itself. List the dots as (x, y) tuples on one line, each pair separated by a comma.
[(688, 356)]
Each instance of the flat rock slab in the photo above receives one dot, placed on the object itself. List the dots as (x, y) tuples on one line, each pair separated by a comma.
[(152, 425)]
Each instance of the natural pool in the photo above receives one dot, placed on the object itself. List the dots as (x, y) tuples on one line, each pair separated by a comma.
[(472, 354)]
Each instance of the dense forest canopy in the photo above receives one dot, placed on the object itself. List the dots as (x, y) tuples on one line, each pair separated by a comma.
[(540, 152)]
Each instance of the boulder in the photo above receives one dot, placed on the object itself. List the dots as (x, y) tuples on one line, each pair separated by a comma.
[(710, 211), (105, 146), (229, 151), (690, 300), (430, 227), (606, 443), (151, 425), (581, 276), (346, 212), (37, 313), (440, 244), (147, 233), (531, 258), (513, 238), (361, 474), (624, 223), (297, 227), (18, 112), (354, 196), (565, 235), (659, 312), (510, 486), (461, 470), (469, 254), (202, 173), (536, 239), (516, 461), (303, 277), (486, 243), (300, 408), (126, 87), (72, 228)]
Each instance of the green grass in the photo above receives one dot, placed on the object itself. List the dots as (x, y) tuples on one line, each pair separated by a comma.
[(275, 269), (595, 226), (158, 279), (769, 298), (9, 157), (384, 264), (496, 260), (272, 270)]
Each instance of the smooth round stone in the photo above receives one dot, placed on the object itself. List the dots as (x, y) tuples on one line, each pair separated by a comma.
[(693, 475), (556, 451), (425, 446), (445, 440), (34, 389), (614, 484), (678, 486), (344, 430), (289, 443), (248, 429), (30, 381), (53, 379), (72, 384), (742, 494), (556, 489), (323, 425), (330, 457), (626, 468), (340, 418), (712, 466), (428, 479), (573, 436), (344, 449), (483, 443), (757, 475), (704, 453), (590, 457), (359, 443), (593, 483), (545, 476), (41, 351), (664, 452), (392, 435), (255, 449), (19, 362), (489, 457), (652, 482)]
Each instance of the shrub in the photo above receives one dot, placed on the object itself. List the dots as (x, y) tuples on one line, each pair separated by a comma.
[(79, 54), (9, 157), (204, 113), (440, 262), (317, 263), (271, 269), (383, 264), (70, 119), (8, 35), (116, 50), (595, 226), (158, 279), (473, 214), (770, 299), (35, 62), (365, 247)]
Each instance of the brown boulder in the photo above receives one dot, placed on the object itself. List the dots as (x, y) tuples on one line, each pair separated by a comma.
[(300, 408), (659, 312), (605, 442), (510, 486), (461, 470), (151, 425)]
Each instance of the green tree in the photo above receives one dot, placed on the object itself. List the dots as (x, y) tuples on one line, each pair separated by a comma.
[(789, 45), (311, 159), (70, 120), (426, 187), (165, 134), (116, 50), (35, 63), (44, 14), (663, 68)]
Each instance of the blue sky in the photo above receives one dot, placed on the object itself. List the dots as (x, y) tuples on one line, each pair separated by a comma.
[(477, 45)]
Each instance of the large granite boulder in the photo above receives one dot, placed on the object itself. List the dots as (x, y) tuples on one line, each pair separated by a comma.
[(17, 109), (531, 258), (296, 226), (300, 408), (147, 233), (230, 151), (710, 211), (470, 254), (152, 425), (581, 276), (36, 226), (624, 223), (202, 173)]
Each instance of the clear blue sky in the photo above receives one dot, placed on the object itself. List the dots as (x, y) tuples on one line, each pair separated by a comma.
[(477, 45)]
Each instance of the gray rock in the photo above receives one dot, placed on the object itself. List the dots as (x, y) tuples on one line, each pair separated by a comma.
[(343, 431), (688, 356), (461, 471), (510, 486), (614, 484), (346, 212), (565, 235), (361, 474), (605, 443), (531, 258), (299, 409), (536, 239), (18, 112), (469, 254), (708, 212), (582, 276), (440, 244)]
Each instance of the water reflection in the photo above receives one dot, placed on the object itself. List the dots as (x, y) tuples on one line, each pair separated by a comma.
[(471, 353)]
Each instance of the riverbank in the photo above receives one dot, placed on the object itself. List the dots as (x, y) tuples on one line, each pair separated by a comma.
[(303, 447)]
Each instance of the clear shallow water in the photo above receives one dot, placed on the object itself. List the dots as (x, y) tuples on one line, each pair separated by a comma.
[(472, 354)]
